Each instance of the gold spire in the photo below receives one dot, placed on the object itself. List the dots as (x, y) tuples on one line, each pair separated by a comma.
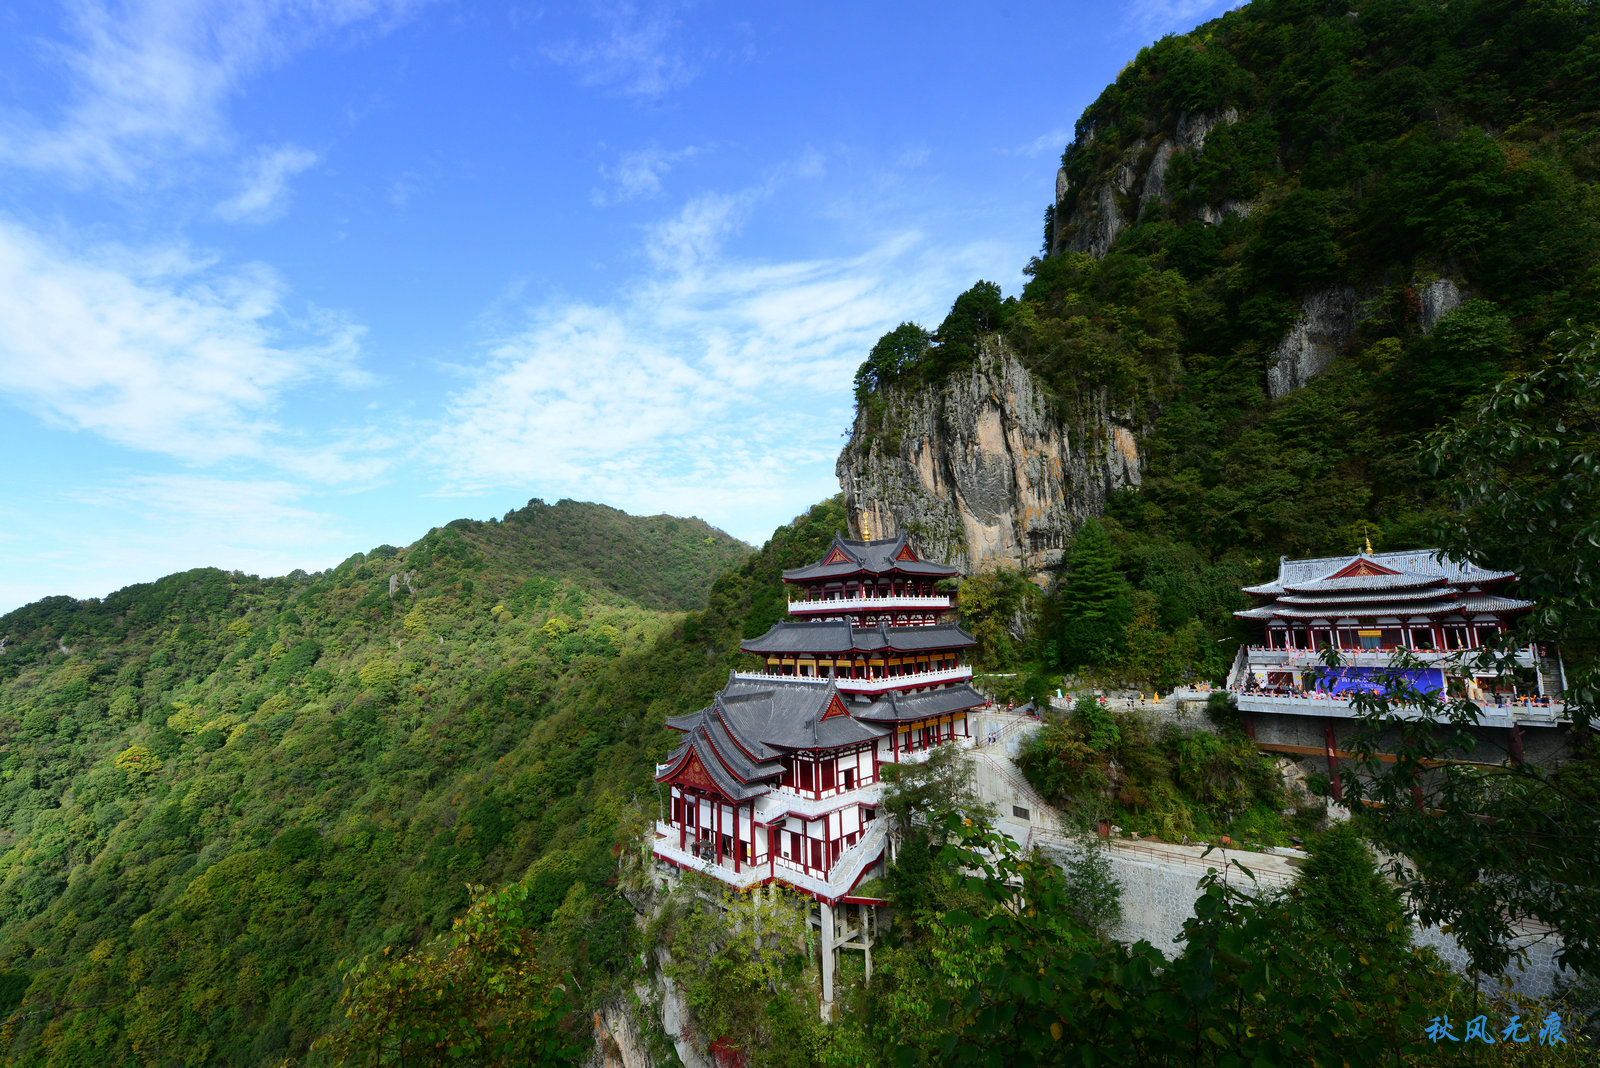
[(1369, 545)]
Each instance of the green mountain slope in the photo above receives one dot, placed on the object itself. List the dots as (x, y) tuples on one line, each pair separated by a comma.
[(215, 788), (1377, 146), (1396, 205)]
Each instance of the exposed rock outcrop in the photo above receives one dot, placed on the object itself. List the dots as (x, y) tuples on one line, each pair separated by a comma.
[(1327, 319), (1435, 300), (1090, 220), (985, 469)]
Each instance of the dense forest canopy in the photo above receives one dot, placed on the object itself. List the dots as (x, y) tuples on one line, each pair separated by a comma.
[(214, 788)]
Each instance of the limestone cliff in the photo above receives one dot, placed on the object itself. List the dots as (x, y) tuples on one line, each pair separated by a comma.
[(985, 469), (1090, 218)]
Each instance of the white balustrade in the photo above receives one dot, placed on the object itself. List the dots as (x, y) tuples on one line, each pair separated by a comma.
[(873, 685), (893, 602)]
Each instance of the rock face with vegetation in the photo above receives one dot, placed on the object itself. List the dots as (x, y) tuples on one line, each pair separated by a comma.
[(985, 469), (1281, 248)]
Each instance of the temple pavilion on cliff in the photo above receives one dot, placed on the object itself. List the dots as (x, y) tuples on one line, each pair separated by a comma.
[(777, 780), (1368, 606)]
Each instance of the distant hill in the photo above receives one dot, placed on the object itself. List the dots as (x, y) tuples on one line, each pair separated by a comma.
[(658, 561), (217, 788)]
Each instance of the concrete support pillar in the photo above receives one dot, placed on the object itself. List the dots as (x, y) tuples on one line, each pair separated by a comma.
[(1334, 784), (866, 941), (1515, 733), (826, 931)]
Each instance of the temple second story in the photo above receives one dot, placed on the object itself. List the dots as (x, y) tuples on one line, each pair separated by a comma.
[(869, 582)]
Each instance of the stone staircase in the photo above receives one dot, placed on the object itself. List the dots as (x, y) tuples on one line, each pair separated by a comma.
[(1552, 676)]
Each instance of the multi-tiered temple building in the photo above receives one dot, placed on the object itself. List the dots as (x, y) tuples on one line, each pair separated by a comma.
[(778, 779), (1370, 606)]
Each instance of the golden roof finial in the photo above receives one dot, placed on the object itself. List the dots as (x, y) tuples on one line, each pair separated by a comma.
[(1369, 545)]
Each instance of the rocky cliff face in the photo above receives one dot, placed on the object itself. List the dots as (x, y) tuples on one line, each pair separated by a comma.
[(1090, 218), (1327, 320), (985, 469)]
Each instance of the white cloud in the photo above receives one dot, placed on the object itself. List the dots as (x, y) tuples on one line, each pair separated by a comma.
[(147, 81), (1052, 143), (1153, 18), (717, 386), (265, 193), (637, 175), (158, 351), (99, 538), (638, 55)]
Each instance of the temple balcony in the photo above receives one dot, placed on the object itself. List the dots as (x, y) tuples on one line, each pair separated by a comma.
[(1529, 714), (960, 673), (840, 877), (892, 603), (783, 801), (1259, 656)]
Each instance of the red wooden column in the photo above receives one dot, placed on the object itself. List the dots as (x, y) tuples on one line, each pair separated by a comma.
[(716, 819), (683, 814), (736, 850), (1333, 764), (1515, 733)]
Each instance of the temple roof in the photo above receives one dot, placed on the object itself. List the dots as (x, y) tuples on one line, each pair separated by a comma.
[(924, 704), (700, 750), (751, 722), (842, 636), (845, 557), (1469, 604), (1408, 569)]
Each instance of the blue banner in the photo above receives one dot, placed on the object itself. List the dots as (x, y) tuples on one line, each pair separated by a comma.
[(1378, 680)]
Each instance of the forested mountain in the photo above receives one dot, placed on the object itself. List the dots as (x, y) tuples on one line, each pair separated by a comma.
[(218, 793), (216, 788), (1285, 247)]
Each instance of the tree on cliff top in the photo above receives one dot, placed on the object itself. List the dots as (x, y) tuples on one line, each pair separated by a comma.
[(896, 352)]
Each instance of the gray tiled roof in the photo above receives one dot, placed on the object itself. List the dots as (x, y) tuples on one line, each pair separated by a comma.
[(1470, 604), (871, 557), (923, 704), (1416, 567), (699, 741), (840, 636), (750, 723)]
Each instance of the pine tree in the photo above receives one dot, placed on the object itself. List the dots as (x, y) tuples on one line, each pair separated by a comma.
[(1344, 892), (1096, 603)]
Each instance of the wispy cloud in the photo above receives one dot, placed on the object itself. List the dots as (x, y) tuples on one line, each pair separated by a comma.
[(265, 193), (638, 54), (1048, 143), (147, 81), (159, 350), (103, 536), (718, 385), (1153, 18), (637, 174)]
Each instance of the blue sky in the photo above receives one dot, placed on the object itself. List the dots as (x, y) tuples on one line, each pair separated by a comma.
[(282, 281)]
